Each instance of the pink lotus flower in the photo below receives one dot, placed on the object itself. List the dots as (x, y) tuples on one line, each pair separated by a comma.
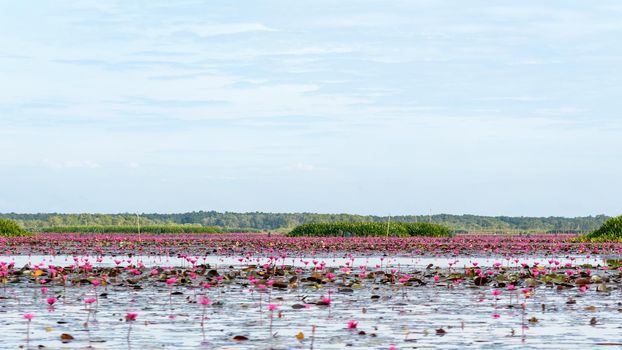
[(171, 281), (205, 301), (272, 307), (51, 301), (28, 316), (352, 324), (131, 316), (496, 292), (90, 300)]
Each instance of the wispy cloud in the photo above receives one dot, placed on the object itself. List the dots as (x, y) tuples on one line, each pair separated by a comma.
[(301, 167), (71, 164), (469, 99), (210, 30)]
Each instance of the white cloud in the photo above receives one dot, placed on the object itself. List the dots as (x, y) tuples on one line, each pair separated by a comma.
[(301, 167), (71, 164), (209, 30)]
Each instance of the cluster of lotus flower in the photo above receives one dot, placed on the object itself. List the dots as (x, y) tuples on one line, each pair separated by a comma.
[(241, 244), (263, 266)]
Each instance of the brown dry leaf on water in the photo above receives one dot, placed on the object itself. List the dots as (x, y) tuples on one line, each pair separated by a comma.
[(66, 338), (300, 336), (240, 338)]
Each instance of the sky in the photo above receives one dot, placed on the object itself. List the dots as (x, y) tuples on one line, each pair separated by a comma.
[(368, 107)]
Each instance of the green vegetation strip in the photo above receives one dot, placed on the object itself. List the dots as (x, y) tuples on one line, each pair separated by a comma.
[(360, 229), (287, 221)]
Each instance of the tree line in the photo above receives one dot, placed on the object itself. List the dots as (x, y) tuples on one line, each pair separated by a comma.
[(287, 221)]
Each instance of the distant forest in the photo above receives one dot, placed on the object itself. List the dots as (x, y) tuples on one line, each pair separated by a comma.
[(287, 221)]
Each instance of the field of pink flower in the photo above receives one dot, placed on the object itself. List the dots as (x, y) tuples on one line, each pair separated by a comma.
[(252, 291)]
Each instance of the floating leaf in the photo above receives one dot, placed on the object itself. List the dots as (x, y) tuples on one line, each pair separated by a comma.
[(602, 288), (66, 338), (240, 338), (480, 281), (300, 336)]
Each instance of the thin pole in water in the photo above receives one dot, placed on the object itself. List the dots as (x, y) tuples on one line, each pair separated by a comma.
[(138, 225)]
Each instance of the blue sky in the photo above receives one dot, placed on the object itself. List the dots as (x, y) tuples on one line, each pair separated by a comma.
[(396, 107)]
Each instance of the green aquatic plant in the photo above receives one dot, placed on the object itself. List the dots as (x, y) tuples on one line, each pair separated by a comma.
[(11, 228), (611, 230), (358, 229)]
